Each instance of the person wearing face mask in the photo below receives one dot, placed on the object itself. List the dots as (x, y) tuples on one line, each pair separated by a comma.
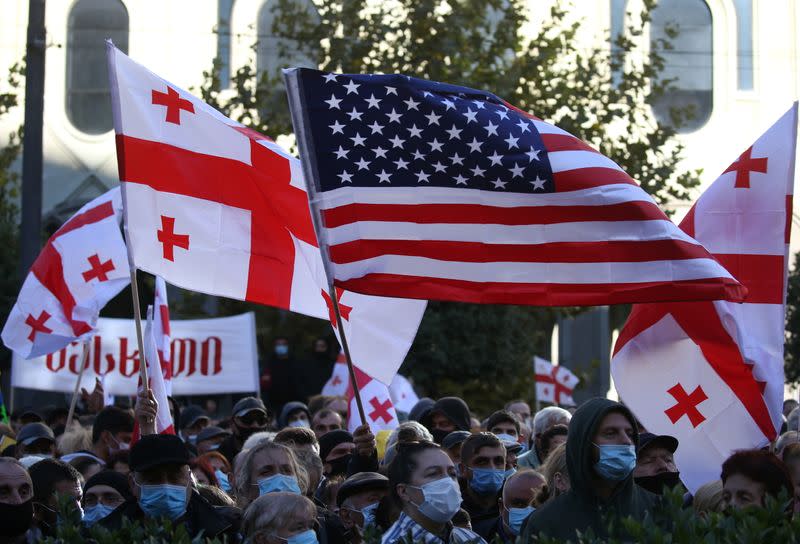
[(483, 471), (249, 416), (102, 494), (601, 456), (423, 484), (655, 465), (35, 439), (210, 438), (53, 481), (193, 420), (448, 414), (280, 518), (516, 504), (336, 450), (111, 432), (16, 502), (358, 499), (294, 414), (161, 485)]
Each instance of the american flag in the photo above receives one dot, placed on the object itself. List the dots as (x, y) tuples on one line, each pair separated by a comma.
[(430, 190)]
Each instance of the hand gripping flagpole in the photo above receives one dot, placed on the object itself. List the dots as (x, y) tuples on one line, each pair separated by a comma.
[(306, 147)]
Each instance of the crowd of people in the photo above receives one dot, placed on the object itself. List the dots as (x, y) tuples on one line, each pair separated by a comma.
[(296, 476)]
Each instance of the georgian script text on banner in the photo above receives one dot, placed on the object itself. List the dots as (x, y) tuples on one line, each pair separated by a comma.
[(210, 356)]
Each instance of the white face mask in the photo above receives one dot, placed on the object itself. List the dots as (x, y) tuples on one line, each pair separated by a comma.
[(442, 499)]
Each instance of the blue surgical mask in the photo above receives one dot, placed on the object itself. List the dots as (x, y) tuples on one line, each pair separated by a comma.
[(281, 350), (516, 516), (278, 482), (369, 514), (300, 423), (222, 478), (617, 461), (95, 513), (306, 537), (487, 481), (163, 500)]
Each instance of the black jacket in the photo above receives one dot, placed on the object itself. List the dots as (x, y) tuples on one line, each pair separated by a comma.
[(483, 520), (580, 508), (213, 521)]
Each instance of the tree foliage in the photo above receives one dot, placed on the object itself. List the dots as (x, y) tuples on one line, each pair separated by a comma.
[(599, 93)]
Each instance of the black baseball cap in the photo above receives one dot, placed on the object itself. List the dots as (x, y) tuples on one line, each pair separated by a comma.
[(646, 440), (191, 414), (362, 481), (248, 404), (32, 432), (455, 438), (153, 450), (211, 432)]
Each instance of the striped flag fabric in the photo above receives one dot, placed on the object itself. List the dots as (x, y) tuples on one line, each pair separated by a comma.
[(162, 333), (435, 191)]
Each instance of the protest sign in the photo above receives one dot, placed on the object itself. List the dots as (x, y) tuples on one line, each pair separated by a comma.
[(209, 356)]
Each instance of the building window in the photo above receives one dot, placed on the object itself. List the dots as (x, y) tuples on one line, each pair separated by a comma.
[(274, 53), (744, 44), (223, 30), (87, 94), (689, 62)]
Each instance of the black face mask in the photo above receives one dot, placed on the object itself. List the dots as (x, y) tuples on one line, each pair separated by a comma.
[(16, 518), (339, 465), (657, 483), (438, 435), (246, 432)]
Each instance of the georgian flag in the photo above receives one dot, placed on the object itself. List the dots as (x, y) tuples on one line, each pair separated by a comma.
[(336, 386), (403, 395), (378, 406), (554, 383), (82, 266), (217, 208), (161, 333), (711, 373)]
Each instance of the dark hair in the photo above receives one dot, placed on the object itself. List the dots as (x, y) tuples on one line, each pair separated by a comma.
[(760, 466), (83, 463), (791, 452), (548, 435), (477, 441), (296, 436), (404, 463), (325, 412), (46, 473), (462, 518), (121, 456), (112, 419), (501, 416)]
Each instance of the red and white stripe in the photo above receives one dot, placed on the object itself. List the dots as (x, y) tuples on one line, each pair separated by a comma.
[(162, 334), (599, 240)]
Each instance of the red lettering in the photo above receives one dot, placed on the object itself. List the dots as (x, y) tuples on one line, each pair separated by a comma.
[(76, 358), (52, 366), (205, 358), (128, 364), (183, 359)]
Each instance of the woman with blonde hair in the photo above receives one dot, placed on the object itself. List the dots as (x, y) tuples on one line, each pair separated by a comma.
[(266, 468), (280, 518)]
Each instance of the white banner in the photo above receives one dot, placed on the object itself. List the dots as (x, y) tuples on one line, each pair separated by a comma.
[(209, 356)]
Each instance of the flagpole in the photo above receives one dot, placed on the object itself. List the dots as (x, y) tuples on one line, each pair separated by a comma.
[(84, 357), (346, 349), (137, 317)]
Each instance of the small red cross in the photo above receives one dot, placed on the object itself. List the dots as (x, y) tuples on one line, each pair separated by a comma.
[(98, 270), (38, 324), (381, 410), (686, 404), (336, 380), (168, 237), (174, 103), (344, 310), (744, 165), (551, 378)]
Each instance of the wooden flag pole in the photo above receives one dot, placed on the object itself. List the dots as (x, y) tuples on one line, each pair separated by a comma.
[(137, 317), (84, 358), (346, 349)]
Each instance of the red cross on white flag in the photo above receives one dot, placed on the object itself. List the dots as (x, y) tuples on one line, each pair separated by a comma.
[(82, 266), (161, 332), (554, 383), (403, 395), (378, 406), (336, 386), (711, 373), (217, 208)]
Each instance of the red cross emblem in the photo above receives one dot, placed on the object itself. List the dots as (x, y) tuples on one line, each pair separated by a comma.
[(381, 410), (174, 103), (744, 165), (169, 239), (98, 270), (336, 380), (686, 404), (38, 324), (344, 310), (560, 388)]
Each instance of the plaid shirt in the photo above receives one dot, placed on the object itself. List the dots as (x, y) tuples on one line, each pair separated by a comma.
[(407, 531)]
